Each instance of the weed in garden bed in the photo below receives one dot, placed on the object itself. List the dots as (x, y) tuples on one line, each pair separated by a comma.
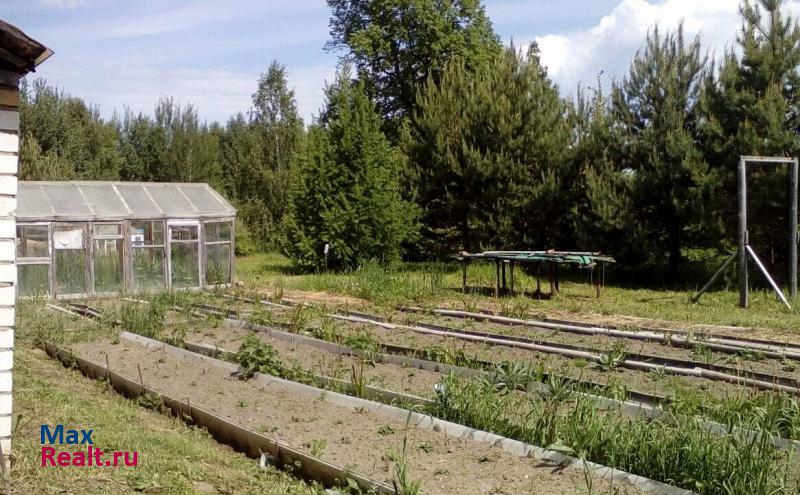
[(255, 356), (365, 343), (511, 376), (148, 320), (613, 359)]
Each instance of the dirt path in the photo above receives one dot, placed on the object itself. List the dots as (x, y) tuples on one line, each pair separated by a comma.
[(354, 439)]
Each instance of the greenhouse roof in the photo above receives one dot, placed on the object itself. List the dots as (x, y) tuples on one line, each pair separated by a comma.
[(84, 200)]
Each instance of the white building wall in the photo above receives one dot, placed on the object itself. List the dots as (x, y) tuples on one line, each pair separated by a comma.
[(9, 157)]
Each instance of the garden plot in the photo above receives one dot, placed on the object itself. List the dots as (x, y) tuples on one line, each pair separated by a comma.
[(381, 375), (362, 441), (746, 361)]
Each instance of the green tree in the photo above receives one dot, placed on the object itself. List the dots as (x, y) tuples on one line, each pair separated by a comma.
[(396, 44), (348, 194), (751, 108), (602, 212), (172, 147), (660, 182), (67, 138), (257, 156), (488, 149)]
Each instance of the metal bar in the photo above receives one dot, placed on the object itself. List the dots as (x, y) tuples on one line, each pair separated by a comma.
[(769, 279), (743, 296), (713, 278), (503, 263), (497, 279), (768, 159), (464, 276), (512, 279), (793, 231)]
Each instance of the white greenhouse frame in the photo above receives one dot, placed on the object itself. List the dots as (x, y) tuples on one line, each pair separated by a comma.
[(144, 214)]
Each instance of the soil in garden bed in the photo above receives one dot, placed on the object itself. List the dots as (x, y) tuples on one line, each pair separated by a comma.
[(602, 343), (386, 376), (361, 441), (643, 381)]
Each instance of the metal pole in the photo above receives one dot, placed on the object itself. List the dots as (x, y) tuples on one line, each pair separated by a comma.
[(793, 232), (504, 263), (713, 278), (497, 278), (512, 278), (743, 299), (464, 276), (769, 279)]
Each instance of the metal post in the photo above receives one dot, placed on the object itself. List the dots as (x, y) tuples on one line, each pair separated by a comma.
[(464, 276), (793, 232), (714, 278), (497, 278), (743, 296), (512, 278), (504, 263), (769, 279)]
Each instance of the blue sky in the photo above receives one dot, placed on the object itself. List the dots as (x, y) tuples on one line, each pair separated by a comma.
[(210, 52)]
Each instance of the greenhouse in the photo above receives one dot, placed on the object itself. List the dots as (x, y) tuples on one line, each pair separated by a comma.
[(95, 238)]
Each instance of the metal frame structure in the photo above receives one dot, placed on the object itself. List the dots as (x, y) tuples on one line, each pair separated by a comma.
[(552, 258), (744, 248), (125, 240)]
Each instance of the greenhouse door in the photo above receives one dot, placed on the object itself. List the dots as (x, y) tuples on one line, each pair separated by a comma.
[(69, 259), (184, 254)]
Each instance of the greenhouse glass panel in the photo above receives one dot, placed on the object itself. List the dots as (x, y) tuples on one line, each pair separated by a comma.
[(171, 201), (32, 241), (33, 280), (69, 200), (102, 202), (147, 233), (107, 229), (218, 264), (108, 265), (202, 198), (183, 232), (70, 260), (185, 266), (138, 200), (148, 268), (218, 231)]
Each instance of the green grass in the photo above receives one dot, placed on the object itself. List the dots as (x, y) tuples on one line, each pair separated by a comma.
[(432, 283)]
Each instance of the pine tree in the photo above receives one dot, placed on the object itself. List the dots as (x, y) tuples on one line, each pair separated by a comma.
[(348, 194), (661, 178), (488, 150), (751, 108)]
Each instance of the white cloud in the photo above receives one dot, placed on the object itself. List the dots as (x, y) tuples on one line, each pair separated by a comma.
[(609, 46)]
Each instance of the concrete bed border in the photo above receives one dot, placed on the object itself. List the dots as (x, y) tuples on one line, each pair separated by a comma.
[(248, 441)]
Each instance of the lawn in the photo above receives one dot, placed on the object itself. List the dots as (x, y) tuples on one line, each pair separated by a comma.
[(432, 283)]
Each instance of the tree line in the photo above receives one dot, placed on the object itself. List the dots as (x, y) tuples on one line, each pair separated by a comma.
[(436, 138)]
